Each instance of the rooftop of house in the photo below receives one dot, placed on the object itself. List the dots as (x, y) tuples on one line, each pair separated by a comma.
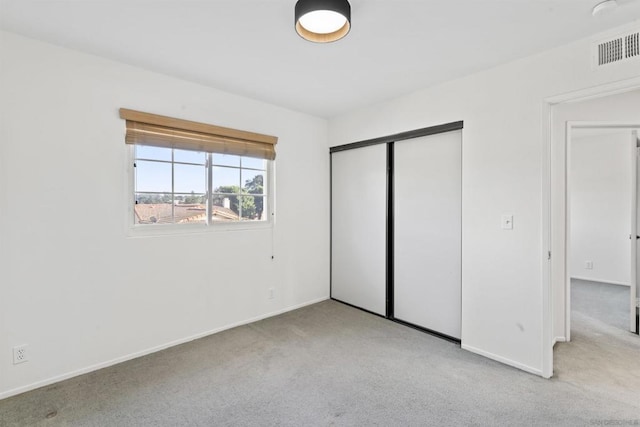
[(166, 213)]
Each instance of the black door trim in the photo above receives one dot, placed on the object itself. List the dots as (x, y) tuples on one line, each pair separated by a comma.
[(431, 130), (389, 234), (428, 331)]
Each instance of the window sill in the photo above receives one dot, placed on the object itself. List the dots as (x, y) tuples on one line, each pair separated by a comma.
[(135, 231)]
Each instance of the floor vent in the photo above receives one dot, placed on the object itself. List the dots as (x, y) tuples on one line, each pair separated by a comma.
[(618, 49)]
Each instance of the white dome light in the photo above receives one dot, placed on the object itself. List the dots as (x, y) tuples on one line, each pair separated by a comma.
[(322, 21)]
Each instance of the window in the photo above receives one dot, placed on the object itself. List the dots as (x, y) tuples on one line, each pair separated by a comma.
[(171, 186), (186, 177)]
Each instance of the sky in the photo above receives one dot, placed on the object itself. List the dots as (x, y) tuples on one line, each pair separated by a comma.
[(156, 177)]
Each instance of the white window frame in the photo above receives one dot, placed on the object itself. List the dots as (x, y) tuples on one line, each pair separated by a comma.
[(142, 230)]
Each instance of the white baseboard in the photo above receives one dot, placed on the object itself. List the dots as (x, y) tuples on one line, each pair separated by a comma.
[(608, 282), (559, 339), (77, 372), (503, 360)]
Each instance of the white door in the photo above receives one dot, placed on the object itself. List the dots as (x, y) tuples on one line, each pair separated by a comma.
[(428, 232), (358, 227)]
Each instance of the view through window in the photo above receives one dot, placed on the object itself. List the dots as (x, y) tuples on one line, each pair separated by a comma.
[(174, 186)]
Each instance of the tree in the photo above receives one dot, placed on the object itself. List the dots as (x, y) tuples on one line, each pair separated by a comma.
[(153, 198), (194, 199), (236, 200), (256, 186)]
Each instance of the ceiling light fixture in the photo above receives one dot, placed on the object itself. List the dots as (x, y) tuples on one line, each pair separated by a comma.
[(323, 21), (602, 6)]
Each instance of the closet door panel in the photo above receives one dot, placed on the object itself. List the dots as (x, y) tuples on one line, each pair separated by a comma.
[(428, 232), (358, 227)]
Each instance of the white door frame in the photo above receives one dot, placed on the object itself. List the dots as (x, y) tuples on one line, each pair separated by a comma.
[(634, 230), (571, 125), (546, 183)]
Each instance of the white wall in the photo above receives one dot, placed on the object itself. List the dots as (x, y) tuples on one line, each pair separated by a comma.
[(504, 161), (73, 285), (600, 182), (621, 107)]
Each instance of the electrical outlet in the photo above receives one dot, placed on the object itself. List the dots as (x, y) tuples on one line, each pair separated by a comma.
[(20, 354), (588, 265), (272, 293)]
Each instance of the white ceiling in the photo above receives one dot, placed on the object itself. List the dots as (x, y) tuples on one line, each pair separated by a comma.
[(249, 47)]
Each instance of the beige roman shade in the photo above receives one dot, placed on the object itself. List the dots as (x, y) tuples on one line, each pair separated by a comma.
[(161, 131)]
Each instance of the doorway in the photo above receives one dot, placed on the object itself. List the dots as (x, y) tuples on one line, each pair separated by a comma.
[(601, 225), (609, 105)]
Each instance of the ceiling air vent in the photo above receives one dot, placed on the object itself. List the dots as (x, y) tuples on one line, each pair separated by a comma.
[(610, 51), (632, 45), (618, 49)]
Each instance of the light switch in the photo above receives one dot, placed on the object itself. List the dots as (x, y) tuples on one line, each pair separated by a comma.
[(507, 222)]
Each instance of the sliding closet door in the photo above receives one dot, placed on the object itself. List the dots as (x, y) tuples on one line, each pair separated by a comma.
[(358, 227), (428, 232)]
